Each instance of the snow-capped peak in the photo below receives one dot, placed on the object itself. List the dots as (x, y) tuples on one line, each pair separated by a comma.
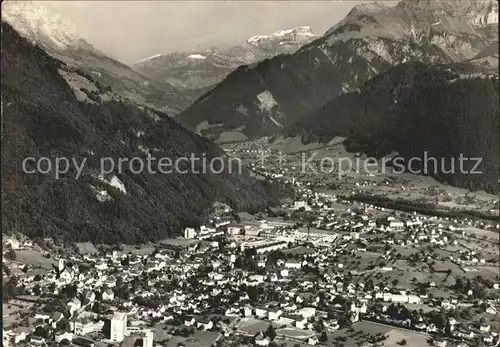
[(296, 34), (33, 20)]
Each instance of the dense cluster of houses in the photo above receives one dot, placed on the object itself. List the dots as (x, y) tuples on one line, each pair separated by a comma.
[(302, 275)]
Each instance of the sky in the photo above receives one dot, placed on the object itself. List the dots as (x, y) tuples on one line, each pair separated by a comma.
[(132, 30)]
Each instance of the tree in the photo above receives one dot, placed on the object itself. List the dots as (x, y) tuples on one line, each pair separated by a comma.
[(402, 342), (122, 292), (9, 289), (323, 338), (69, 291), (236, 216), (83, 268), (10, 254), (392, 311), (270, 332), (185, 332), (42, 332), (318, 326), (459, 285), (439, 319), (63, 324)]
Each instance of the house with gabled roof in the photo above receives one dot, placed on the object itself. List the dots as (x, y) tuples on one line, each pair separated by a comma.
[(204, 324)]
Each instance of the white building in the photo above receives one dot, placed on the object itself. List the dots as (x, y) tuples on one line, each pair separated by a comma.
[(290, 264), (147, 340), (299, 204), (108, 295), (5, 339), (401, 298), (263, 246), (74, 305), (361, 308), (63, 336), (13, 242), (261, 312), (118, 326), (66, 276), (307, 312), (234, 230), (275, 314), (396, 224), (86, 327), (207, 233), (189, 233)]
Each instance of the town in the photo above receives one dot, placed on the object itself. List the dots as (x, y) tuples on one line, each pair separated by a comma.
[(320, 270)]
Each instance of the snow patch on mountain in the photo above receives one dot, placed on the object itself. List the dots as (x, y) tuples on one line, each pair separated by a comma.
[(242, 109), (327, 54), (101, 195), (149, 58), (114, 182), (379, 48), (266, 104), (266, 101), (196, 56), (295, 34), (276, 122)]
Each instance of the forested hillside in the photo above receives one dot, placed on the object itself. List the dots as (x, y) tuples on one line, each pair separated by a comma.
[(445, 110), (43, 117)]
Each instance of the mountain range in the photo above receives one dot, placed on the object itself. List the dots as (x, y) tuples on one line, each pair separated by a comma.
[(203, 70), (57, 36), (260, 99), (52, 110)]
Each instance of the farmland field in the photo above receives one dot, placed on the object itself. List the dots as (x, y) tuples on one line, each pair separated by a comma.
[(35, 258), (361, 331)]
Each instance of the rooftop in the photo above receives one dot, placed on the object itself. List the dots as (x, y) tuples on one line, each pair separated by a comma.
[(119, 315)]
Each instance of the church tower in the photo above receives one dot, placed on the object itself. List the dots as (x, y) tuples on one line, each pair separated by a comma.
[(62, 265)]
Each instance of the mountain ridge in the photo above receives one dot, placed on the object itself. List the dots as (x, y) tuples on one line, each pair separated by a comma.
[(57, 36), (370, 40), (206, 68)]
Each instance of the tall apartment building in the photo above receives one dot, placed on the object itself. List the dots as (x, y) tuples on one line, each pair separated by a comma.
[(147, 340), (118, 326)]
